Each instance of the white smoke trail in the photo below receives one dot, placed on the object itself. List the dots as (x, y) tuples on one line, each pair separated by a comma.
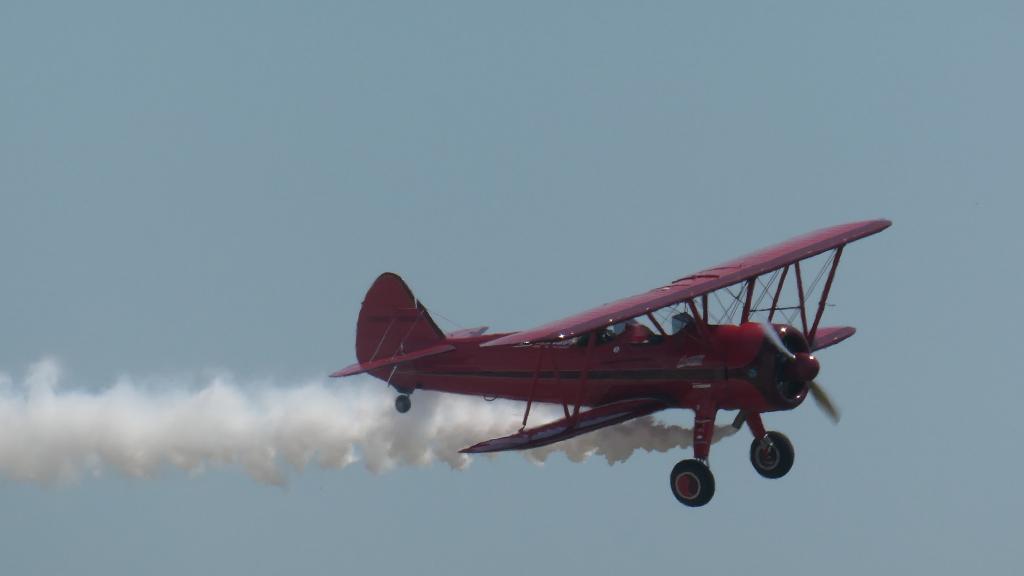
[(56, 436)]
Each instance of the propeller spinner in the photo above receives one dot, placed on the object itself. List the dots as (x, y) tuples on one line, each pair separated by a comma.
[(802, 367)]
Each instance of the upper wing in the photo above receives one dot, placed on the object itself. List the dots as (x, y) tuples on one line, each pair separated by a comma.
[(738, 270)]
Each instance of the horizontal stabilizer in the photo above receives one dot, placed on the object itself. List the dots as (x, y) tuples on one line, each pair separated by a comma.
[(593, 419), (830, 335), (359, 368)]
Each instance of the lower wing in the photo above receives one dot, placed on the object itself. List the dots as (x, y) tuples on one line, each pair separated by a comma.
[(565, 428)]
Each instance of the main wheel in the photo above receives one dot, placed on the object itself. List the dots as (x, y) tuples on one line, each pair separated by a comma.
[(773, 456), (403, 403), (692, 483)]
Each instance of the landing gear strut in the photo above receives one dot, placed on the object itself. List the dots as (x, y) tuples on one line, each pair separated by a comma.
[(403, 403), (692, 483)]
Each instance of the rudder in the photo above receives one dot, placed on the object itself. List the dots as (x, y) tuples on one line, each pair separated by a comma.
[(392, 321)]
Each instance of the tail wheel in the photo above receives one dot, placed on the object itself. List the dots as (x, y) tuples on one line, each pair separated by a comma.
[(403, 403), (692, 483), (772, 456)]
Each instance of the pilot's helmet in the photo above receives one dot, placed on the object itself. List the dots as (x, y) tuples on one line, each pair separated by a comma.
[(680, 322)]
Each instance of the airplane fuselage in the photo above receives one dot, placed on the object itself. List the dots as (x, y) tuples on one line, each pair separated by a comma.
[(730, 365)]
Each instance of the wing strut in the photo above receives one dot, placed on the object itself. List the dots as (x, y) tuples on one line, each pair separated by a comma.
[(824, 293), (702, 320), (778, 292), (656, 324), (749, 300), (800, 291), (533, 386), (583, 376), (581, 386)]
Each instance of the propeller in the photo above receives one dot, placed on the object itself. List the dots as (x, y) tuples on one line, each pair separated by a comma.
[(776, 340), (823, 401), (803, 366)]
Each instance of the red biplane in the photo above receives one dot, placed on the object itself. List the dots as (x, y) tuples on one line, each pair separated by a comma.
[(707, 342)]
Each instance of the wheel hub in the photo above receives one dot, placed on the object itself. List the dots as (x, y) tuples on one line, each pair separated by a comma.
[(688, 485), (768, 457)]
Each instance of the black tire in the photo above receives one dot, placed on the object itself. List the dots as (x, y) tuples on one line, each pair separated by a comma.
[(403, 403), (692, 483), (772, 459)]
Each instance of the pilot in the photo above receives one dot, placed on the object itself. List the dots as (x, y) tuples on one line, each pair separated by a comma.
[(610, 333), (680, 322), (630, 332), (604, 335), (636, 333)]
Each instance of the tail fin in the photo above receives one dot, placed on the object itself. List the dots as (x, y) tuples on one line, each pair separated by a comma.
[(393, 322)]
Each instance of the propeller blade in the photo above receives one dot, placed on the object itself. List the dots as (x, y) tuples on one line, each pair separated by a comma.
[(823, 401), (773, 337)]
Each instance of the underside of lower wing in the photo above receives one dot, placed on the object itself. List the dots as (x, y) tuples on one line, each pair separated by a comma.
[(565, 428)]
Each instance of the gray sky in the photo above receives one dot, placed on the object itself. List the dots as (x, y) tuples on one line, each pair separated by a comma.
[(205, 187)]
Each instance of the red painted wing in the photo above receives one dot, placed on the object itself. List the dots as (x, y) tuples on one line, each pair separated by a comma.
[(709, 280), (593, 419), (831, 335)]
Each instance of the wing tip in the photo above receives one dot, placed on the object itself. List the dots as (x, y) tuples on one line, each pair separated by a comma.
[(480, 448), (831, 335)]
